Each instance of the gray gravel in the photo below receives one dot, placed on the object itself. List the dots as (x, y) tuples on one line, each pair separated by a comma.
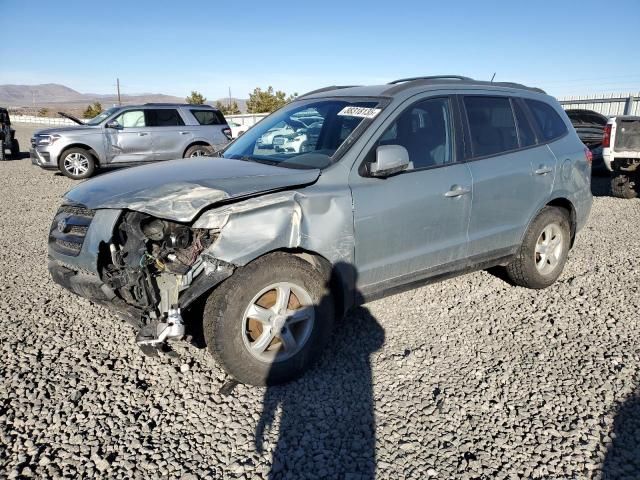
[(470, 378)]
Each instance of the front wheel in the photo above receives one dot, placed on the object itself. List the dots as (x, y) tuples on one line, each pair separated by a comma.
[(77, 163), (544, 250), (2, 154), (269, 321)]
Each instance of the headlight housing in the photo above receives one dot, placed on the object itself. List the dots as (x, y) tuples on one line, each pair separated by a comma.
[(46, 139)]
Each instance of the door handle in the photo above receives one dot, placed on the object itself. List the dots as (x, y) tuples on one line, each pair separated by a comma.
[(184, 133), (543, 170), (457, 190), (142, 134)]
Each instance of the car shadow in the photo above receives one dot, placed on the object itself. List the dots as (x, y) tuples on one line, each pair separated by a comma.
[(20, 156), (622, 460), (601, 186), (325, 420)]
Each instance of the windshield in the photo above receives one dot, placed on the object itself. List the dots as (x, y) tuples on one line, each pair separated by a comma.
[(102, 116), (304, 134)]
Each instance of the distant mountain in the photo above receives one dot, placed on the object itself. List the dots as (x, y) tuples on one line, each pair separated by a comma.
[(22, 95), (59, 97)]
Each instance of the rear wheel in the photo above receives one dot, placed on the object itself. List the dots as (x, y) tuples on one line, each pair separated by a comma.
[(198, 151), (624, 186), (269, 321), (544, 250), (15, 149), (2, 154), (77, 163)]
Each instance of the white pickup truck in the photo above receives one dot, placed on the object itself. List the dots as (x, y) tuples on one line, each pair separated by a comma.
[(621, 155)]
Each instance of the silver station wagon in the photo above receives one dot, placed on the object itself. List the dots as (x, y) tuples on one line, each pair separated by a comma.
[(130, 135), (399, 185)]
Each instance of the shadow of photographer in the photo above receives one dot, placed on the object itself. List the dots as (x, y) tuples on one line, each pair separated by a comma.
[(325, 420)]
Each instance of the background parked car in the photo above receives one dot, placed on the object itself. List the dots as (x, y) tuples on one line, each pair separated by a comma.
[(590, 128), (236, 129), (7, 136), (122, 136), (621, 154)]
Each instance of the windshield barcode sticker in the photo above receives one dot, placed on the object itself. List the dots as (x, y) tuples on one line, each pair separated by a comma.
[(360, 112)]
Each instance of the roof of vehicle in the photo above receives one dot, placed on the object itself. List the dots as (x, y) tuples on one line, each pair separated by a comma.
[(188, 105), (414, 84)]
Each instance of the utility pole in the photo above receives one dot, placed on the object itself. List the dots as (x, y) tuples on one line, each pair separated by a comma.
[(229, 97), (118, 86)]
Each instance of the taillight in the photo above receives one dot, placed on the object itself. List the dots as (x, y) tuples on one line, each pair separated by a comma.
[(588, 155), (227, 132), (606, 136)]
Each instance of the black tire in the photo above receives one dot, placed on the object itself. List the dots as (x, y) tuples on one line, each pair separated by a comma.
[(199, 151), (224, 315), (69, 171), (624, 186), (15, 149), (2, 154), (523, 270)]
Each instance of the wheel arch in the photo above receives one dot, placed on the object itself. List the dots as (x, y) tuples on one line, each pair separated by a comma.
[(84, 146), (559, 202), (340, 277), (567, 205), (194, 143)]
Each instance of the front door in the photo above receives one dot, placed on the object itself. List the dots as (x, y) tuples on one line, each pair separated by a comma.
[(409, 224), (131, 140)]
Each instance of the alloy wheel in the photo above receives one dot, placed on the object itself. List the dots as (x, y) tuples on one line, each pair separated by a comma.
[(278, 321)]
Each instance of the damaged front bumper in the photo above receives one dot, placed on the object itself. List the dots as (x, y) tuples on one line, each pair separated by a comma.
[(82, 243)]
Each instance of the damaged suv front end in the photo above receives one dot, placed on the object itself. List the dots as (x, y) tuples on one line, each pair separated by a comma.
[(150, 241)]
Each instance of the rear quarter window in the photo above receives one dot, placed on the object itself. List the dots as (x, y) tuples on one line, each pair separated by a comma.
[(165, 117), (209, 117), (549, 123)]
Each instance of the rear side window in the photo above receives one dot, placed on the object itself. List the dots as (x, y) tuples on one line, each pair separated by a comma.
[(491, 124), (525, 131), (208, 117), (165, 117), (547, 120)]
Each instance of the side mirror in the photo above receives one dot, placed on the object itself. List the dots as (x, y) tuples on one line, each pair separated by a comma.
[(390, 159), (113, 124)]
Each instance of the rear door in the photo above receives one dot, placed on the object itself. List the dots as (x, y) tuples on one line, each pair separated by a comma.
[(170, 136), (131, 141), (411, 223), (512, 172)]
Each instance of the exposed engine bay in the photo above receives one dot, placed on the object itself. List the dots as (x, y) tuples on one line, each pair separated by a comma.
[(149, 264)]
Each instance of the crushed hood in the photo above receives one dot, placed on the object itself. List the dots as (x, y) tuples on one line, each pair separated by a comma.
[(179, 189)]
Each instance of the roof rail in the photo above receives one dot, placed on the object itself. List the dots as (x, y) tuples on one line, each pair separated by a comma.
[(326, 89), (401, 85), (169, 104), (431, 77)]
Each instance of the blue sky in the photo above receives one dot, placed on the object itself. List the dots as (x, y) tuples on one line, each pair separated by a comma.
[(174, 47)]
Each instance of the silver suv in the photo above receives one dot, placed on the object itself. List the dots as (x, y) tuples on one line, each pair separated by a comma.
[(398, 185), (122, 136)]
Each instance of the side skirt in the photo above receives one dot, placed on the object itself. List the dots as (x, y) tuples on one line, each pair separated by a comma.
[(436, 274)]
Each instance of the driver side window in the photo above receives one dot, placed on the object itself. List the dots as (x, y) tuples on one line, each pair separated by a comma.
[(424, 129), (131, 119)]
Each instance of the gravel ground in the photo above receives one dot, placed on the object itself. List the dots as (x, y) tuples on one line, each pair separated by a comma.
[(470, 378)]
